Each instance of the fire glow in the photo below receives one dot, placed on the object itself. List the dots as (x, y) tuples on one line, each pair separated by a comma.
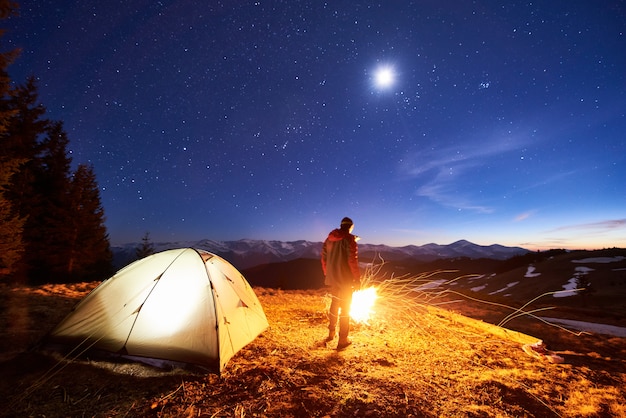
[(361, 309)]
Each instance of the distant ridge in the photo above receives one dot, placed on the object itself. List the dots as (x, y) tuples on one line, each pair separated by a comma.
[(248, 253)]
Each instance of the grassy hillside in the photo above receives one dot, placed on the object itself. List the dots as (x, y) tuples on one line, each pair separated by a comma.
[(533, 277), (539, 278), (410, 361)]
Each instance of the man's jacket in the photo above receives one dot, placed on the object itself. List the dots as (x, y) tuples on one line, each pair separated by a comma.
[(340, 259)]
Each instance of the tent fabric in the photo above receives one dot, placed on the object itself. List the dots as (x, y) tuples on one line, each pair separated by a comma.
[(184, 306)]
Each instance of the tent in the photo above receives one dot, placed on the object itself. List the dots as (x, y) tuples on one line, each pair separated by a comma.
[(178, 307)]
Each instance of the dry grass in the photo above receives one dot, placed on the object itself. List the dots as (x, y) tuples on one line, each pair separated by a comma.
[(406, 363)]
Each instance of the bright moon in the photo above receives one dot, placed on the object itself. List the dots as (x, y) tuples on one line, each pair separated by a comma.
[(384, 77)]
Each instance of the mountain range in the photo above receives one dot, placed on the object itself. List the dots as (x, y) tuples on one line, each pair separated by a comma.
[(246, 253)]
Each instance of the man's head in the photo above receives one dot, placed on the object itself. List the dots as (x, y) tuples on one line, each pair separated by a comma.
[(347, 224)]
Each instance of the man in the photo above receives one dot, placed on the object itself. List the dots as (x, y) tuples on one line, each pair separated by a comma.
[(341, 268)]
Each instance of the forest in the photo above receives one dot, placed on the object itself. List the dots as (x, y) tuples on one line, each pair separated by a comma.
[(52, 223)]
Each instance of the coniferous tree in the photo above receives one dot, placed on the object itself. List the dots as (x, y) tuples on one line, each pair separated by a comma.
[(48, 228), (26, 125), (22, 141), (7, 8), (11, 223), (146, 247), (89, 255), (584, 289)]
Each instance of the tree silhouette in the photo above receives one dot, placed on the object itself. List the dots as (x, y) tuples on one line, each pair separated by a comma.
[(584, 289), (11, 222), (89, 251), (146, 247), (11, 225)]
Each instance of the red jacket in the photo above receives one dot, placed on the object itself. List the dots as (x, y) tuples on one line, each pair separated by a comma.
[(340, 261)]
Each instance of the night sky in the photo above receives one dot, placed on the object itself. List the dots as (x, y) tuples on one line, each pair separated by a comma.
[(425, 121)]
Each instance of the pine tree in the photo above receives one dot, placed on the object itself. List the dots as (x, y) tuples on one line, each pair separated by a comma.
[(48, 230), (22, 142), (11, 223), (89, 256), (146, 248), (7, 9)]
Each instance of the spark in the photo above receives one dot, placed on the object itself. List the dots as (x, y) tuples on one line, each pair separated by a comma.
[(408, 299), (404, 298)]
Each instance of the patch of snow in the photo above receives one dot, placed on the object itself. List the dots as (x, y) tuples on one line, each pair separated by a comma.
[(430, 285), (508, 286), (590, 326), (600, 259), (570, 286), (531, 272), (569, 289)]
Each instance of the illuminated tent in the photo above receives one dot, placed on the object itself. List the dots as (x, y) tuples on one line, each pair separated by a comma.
[(177, 307)]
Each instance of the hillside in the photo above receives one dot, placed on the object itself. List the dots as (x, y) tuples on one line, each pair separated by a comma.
[(410, 361), (546, 283), (529, 280)]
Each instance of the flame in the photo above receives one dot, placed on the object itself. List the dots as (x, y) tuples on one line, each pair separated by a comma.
[(361, 309)]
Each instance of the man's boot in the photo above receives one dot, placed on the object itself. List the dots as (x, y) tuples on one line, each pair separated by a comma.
[(332, 324), (331, 335), (343, 343), (344, 330)]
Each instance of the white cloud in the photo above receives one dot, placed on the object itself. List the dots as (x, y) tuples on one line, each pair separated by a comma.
[(442, 171)]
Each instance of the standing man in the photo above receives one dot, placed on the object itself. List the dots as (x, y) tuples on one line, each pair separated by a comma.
[(341, 267)]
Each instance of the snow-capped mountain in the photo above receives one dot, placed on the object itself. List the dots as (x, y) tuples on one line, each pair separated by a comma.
[(249, 253)]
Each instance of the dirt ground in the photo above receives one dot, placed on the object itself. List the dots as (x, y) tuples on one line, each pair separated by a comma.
[(409, 361)]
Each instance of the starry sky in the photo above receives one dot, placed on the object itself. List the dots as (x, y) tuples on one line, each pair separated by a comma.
[(424, 121)]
